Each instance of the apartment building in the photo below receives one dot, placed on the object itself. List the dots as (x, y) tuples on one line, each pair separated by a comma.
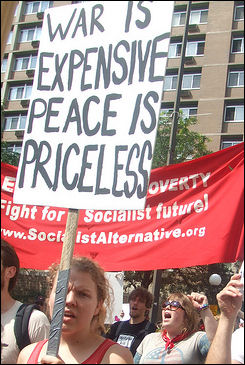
[(213, 76)]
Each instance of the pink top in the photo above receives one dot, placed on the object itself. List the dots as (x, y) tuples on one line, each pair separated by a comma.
[(95, 358)]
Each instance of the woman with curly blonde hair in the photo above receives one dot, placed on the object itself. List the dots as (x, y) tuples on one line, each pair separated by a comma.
[(180, 340), (83, 323)]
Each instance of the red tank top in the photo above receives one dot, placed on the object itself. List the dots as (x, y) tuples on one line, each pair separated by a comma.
[(95, 358)]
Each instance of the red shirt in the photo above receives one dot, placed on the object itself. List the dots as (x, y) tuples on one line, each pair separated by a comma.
[(95, 358)]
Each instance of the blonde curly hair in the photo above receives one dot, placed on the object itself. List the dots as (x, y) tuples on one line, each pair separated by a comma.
[(104, 291)]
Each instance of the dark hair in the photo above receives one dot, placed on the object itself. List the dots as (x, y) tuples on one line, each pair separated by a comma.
[(10, 258), (40, 300), (143, 294)]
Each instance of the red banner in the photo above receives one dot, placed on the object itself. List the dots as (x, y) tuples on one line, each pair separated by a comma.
[(194, 215)]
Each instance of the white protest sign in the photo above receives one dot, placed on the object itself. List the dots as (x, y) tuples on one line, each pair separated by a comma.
[(116, 284), (95, 104)]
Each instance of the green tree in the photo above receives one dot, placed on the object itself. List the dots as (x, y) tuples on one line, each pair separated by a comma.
[(137, 278), (189, 144), (184, 280), (12, 158)]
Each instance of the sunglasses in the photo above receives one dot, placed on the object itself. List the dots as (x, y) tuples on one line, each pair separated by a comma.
[(173, 306)]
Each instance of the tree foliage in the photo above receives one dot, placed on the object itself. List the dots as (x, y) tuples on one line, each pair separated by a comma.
[(12, 158), (189, 144), (133, 279), (184, 280), (30, 284)]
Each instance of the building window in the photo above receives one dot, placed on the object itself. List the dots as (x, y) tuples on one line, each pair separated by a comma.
[(191, 81), (25, 63), (189, 112), (170, 82), (237, 45), (10, 37), (20, 92), (192, 49), (166, 112), (16, 122), (236, 79), (198, 16), (229, 143), (37, 6), (31, 34), (178, 19), (234, 113), (16, 10), (195, 48), (4, 65), (167, 115), (174, 50), (14, 147), (239, 12)]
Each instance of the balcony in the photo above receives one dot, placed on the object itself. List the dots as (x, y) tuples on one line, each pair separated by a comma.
[(30, 73), (19, 134), (40, 15), (35, 44), (193, 28), (185, 94), (189, 60), (25, 103)]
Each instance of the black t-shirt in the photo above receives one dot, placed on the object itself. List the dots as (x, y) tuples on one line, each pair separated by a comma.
[(130, 335)]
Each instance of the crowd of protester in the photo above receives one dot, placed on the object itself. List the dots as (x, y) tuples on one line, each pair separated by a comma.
[(188, 333)]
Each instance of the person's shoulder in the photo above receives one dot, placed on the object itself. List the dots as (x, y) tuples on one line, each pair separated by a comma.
[(38, 315), (25, 353), (117, 354), (114, 326), (201, 338), (17, 303), (12, 310), (152, 326), (110, 333), (198, 335), (152, 336), (16, 306)]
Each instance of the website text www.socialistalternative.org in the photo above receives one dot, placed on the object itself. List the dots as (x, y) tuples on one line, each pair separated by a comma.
[(107, 237)]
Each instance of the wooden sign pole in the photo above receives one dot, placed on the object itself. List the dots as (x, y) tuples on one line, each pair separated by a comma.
[(62, 283), (7, 15)]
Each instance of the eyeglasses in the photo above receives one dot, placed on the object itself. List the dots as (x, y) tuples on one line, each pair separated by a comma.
[(173, 306)]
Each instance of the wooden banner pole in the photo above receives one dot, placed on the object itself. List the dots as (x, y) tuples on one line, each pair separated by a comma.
[(157, 274), (62, 282), (7, 15)]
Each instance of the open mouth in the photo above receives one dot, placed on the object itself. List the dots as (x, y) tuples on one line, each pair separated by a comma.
[(69, 315), (167, 315)]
